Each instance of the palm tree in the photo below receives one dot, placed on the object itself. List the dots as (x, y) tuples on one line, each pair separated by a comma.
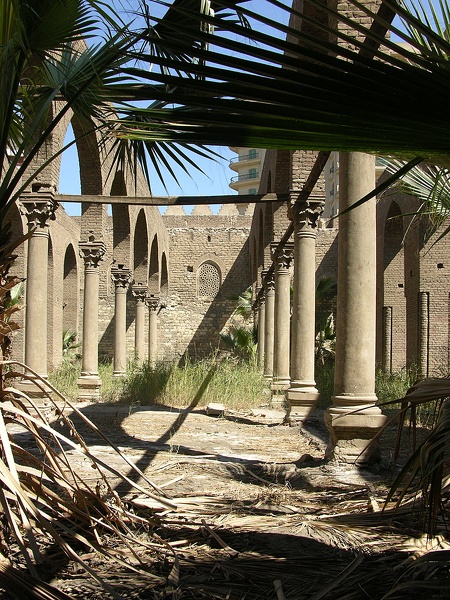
[(319, 88), (48, 72)]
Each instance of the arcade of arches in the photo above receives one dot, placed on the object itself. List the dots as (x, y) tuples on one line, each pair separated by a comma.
[(132, 282)]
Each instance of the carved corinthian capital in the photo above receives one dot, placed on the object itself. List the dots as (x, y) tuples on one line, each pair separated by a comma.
[(269, 282), (139, 292), (152, 302), (282, 256), (121, 277), (92, 252), (306, 214), (38, 210)]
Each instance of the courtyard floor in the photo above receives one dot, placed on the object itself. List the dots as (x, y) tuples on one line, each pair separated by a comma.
[(260, 513)]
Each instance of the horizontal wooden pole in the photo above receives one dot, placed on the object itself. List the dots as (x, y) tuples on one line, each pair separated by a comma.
[(174, 200)]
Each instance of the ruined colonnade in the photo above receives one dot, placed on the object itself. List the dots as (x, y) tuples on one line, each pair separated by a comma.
[(353, 419), (290, 371)]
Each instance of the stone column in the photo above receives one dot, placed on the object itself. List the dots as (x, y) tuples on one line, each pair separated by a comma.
[(424, 333), (121, 277), (269, 294), (152, 303), (139, 292), (261, 328), (354, 419), (281, 349), (39, 209), (302, 395), (89, 383), (387, 339)]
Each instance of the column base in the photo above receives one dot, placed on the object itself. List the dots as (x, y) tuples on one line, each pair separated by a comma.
[(31, 388), (302, 403), (352, 431), (119, 373), (89, 388), (279, 387)]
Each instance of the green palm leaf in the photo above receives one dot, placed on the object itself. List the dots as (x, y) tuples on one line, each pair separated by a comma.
[(254, 88)]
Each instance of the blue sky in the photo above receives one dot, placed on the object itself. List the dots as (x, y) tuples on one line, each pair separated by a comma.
[(215, 181)]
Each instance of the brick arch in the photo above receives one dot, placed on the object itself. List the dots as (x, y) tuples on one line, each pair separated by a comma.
[(70, 290), (91, 172), (153, 268), (140, 247), (164, 286), (121, 234), (393, 316)]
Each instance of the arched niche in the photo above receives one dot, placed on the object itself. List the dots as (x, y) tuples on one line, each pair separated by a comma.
[(394, 322), (153, 268), (121, 234), (70, 291), (164, 276), (209, 279), (140, 247)]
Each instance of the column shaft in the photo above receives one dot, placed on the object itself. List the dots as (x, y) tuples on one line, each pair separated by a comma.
[(261, 330), (353, 420), (140, 293), (152, 331), (302, 395), (89, 383), (281, 355), (269, 284), (39, 208), (121, 277), (36, 302), (424, 333)]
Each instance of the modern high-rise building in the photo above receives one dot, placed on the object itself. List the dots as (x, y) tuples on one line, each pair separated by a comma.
[(247, 164)]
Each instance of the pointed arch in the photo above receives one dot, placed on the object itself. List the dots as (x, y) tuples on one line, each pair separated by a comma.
[(91, 173), (121, 234), (164, 276), (394, 299), (140, 247), (70, 291), (153, 268)]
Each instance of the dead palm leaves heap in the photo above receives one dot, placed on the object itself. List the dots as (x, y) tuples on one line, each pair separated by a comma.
[(79, 534)]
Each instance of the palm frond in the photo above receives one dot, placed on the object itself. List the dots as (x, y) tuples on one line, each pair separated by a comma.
[(43, 496), (255, 88), (431, 186)]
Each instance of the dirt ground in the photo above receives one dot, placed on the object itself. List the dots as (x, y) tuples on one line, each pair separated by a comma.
[(237, 455), (260, 513)]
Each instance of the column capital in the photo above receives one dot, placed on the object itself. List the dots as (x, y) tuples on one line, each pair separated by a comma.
[(269, 282), (282, 256), (306, 213), (121, 277), (152, 302), (92, 252), (39, 208), (140, 292)]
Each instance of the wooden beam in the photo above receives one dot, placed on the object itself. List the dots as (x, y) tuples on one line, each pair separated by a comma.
[(174, 200)]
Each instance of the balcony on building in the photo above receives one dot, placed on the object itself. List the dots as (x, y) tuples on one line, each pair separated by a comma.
[(247, 164)]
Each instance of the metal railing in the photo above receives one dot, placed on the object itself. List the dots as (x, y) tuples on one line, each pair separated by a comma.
[(253, 156), (245, 177)]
